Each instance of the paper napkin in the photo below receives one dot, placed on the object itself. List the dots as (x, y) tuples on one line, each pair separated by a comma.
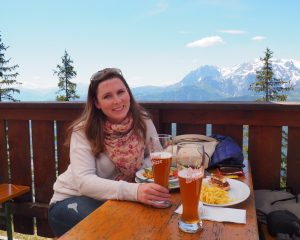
[(219, 214)]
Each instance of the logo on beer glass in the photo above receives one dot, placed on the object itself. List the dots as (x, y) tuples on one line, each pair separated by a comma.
[(157, 158)]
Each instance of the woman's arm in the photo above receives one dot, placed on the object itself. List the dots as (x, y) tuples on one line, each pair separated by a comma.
[(86, 180), (88, 183)]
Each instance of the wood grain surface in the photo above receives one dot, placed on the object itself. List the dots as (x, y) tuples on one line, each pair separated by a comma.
[(132, 220), (10, 191)]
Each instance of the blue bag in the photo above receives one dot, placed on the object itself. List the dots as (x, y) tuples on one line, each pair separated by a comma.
[(227, 152)]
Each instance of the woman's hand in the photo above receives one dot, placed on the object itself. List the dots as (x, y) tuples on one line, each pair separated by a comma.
[(148, 193)]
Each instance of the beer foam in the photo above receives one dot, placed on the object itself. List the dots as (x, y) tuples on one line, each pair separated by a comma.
[(160, 155), (182, 173), (189, 173)]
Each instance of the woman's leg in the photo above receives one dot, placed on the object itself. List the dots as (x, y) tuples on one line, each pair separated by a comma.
[(65, 214)]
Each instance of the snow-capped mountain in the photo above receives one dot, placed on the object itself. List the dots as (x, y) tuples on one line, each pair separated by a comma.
[(243, 74), (206, 83), (211, 83)]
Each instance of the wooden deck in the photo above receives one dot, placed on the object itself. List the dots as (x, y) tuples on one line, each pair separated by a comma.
[(32, 136)]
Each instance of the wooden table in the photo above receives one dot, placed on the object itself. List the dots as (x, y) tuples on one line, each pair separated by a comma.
[(132, 220), (7, 193)]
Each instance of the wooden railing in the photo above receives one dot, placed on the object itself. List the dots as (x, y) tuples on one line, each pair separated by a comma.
[(32, 151)]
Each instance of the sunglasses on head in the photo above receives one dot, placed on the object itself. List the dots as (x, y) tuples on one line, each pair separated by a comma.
[(101, 74)]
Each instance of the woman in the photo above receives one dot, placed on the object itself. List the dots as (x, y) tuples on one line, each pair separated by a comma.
[(107, 146)]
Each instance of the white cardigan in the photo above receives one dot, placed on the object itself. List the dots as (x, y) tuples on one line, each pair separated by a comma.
[(93, 177)]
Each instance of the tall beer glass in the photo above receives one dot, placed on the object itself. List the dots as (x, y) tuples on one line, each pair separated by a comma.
[(161, 159), (190, 164)]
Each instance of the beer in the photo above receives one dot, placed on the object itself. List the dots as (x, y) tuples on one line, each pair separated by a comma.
[(190, 165), (190, 188), (161, 163), (161, 159)]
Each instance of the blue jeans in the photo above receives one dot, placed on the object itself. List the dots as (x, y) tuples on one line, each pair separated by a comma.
[(63, 215)]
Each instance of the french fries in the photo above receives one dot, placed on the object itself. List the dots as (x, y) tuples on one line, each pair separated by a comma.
[(149, 174), (214, 195)]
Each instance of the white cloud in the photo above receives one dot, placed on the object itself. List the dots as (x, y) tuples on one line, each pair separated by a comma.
[(206, 42), (232, 31), (258, 38), (159, 8)]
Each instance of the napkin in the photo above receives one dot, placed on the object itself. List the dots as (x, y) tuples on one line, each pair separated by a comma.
[(219, 214)]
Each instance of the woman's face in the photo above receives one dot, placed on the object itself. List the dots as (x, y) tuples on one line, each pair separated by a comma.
[(113, 99)]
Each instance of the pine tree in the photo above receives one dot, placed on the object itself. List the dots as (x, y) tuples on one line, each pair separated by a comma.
[(273, 88), (8, 76), (65, 73)]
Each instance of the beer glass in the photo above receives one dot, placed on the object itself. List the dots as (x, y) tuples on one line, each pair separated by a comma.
[(161, 159), (190, 164)]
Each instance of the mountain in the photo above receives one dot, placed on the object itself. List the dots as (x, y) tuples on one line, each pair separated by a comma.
[(206, 83), (28, 94), (48, 94), (211, 83)]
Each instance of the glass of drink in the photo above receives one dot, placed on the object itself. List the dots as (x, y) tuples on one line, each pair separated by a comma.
[(190, 164), (161, 159)]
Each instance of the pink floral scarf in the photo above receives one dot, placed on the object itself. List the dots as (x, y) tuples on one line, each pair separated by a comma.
[(124, 148)]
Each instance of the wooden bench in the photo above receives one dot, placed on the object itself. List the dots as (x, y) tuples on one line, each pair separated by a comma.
[(32, 138), (7, 193)]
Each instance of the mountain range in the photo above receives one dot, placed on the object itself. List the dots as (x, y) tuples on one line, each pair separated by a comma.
[(211, 83), (206, 83)]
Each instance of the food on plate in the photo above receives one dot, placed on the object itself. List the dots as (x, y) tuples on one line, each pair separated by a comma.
[(218, 180), (231, 171), (232, 176), (214, 195), (148, 173)]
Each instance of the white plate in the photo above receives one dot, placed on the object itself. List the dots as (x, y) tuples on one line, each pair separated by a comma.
[(238, 192), (139, 175), (172, 185)]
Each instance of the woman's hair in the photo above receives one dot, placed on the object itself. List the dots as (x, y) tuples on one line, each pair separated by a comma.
[(92, 119)]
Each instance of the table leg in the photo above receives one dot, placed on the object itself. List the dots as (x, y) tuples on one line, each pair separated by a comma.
[(8, 220)]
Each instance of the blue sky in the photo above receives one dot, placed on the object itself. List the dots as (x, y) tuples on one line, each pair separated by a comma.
[(153, 42)]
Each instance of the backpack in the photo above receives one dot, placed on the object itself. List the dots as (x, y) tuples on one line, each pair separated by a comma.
[(280, 210), (227, 152)]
